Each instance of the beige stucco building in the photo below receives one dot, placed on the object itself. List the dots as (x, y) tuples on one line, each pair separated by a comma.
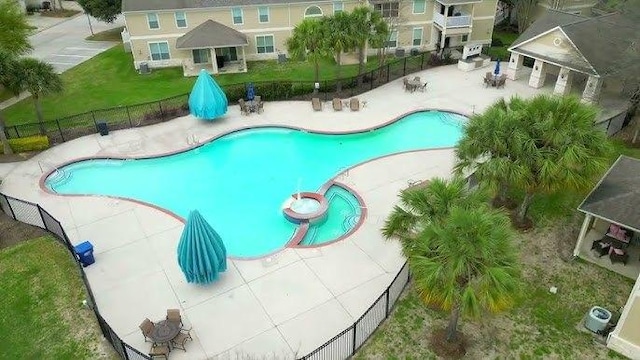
[(223, 36)]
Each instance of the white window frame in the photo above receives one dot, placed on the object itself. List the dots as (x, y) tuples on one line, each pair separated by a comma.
[(338, 6), (390, 9), (175, 16), (199, 50), (260, 15), (392, 38), (313, 15), (233, 17), (273, 39), (159, 42), (424, 7), (149, 21), (413, 36)]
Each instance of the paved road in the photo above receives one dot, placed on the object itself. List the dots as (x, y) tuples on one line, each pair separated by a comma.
[(64, 46)]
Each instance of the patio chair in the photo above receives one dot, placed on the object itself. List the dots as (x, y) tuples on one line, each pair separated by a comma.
[(405, 83), (260, 107), (488, 79), (147, 327), (354, 104), (601, 247), (417, 79), (337, 104), (317, 105), (243, 107), (501, 81), (181, 339), (618, 255), (257, 99), (159, 351), (423, 87), (173, 315)]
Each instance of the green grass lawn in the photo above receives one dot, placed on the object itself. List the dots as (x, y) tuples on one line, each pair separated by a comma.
[(110, 80), (41, 312), (507, 38)]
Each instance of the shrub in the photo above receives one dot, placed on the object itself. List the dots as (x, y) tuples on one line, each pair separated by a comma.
[(496, 42), (31, 143)]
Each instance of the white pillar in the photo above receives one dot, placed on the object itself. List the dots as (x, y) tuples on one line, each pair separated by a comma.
[(538, 74), (214, 60), (244, 59), (563, 83), (586, 225), (591, 92), (515, 67)]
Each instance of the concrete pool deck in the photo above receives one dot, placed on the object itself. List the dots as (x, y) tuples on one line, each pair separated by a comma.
[(284, 305)]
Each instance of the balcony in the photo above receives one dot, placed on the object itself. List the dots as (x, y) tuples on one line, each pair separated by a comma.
[(462, 20)]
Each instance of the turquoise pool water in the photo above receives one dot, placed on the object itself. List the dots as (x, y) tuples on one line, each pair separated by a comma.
[(342, 216), (239, 181)]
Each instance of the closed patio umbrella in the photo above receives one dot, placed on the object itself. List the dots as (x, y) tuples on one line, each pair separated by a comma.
[(251, 92), (207, 100), (201, 252), (496, 71)]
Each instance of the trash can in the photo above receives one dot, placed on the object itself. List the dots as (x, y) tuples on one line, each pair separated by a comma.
[(84, 251), (597, 319), (102, 128)]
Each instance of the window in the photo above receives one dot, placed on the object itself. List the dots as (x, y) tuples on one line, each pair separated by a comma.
[(152, 20), (338, 6), (313, 11), (201, 56), (417, 36), (419, 6), (264, 44), (387, 9), (159, 50), (181, 19), (465, 38), (393, 39), (263, 14), (236, 13)]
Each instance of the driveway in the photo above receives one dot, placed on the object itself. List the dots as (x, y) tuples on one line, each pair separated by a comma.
[(64, 45)]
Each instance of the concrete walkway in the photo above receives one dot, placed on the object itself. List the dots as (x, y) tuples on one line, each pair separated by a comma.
[(282, 306)]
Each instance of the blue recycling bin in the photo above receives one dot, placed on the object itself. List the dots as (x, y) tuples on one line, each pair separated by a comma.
[(84, 251)]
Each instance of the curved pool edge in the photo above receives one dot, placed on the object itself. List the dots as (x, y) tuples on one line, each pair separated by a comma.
[(48, 173)]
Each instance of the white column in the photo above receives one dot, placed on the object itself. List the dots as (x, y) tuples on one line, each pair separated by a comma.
[(563, 83), (538, 74), (515, 67), (586, 224), (244, 59), (214, 60), (591, 92)]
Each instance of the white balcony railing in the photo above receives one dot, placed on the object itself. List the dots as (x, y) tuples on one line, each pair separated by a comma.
[(452, 21)]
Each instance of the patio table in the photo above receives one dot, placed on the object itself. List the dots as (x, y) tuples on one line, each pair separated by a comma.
[(413, 85), (164, 331), (252, 105)]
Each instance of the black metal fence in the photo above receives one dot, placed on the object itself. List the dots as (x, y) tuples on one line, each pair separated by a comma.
[(339, 347), (34, 214), (130, 116)]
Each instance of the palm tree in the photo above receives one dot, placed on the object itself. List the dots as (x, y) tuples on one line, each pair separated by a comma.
[(39, 78), (15, 29), (459, 250), (369, 27), (8, 66), (340, 37), (308, 41)]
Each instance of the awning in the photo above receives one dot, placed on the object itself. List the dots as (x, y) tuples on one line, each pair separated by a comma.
[(211, 34)]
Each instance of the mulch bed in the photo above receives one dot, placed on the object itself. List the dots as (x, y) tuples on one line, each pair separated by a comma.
[(445, 349), (13, 232)]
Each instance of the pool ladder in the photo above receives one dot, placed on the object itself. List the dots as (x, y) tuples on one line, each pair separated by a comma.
[(57, 176)]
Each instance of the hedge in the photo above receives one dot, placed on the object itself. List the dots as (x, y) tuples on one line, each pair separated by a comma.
[(31, 143)]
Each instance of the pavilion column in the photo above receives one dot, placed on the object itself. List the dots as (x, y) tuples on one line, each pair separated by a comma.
[(586, 224), (515, 67), (563, 83), (214, 60), (538, 74), (591, 92), (244, 58)]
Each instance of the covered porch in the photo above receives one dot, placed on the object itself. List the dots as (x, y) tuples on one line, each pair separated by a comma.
[(213, 47)]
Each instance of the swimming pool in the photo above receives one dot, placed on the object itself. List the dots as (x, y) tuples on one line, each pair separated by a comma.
[(239, 181)]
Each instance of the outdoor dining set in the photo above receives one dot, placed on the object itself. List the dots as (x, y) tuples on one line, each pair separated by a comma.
[(497, 81), (614, 243), (248, 106), (166, 335), (411, 85)]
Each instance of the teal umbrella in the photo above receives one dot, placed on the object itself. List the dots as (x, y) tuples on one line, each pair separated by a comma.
[(207, 100), (201, 252)]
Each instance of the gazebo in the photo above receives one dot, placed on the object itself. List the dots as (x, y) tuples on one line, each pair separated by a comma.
[(616, 200)]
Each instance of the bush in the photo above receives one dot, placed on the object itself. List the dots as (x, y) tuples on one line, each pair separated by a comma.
[(31, 143), (497, 42)]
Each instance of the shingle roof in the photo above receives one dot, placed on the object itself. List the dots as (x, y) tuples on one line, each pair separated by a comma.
[(617, 195), (154, 5), (211, 34), (606, 42)]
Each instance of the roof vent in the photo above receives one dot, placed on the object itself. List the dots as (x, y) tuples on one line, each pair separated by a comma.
[(557, 41)]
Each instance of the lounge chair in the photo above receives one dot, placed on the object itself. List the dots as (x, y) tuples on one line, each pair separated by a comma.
[(158, 351), (354, 104), (243, 107), (173, 315), (147, 328), (317, 105), (337, 104)]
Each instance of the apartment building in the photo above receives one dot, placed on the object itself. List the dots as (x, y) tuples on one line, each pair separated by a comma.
[(221, 36)]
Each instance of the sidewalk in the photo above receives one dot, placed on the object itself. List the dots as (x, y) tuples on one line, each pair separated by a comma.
[(43, 22)]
